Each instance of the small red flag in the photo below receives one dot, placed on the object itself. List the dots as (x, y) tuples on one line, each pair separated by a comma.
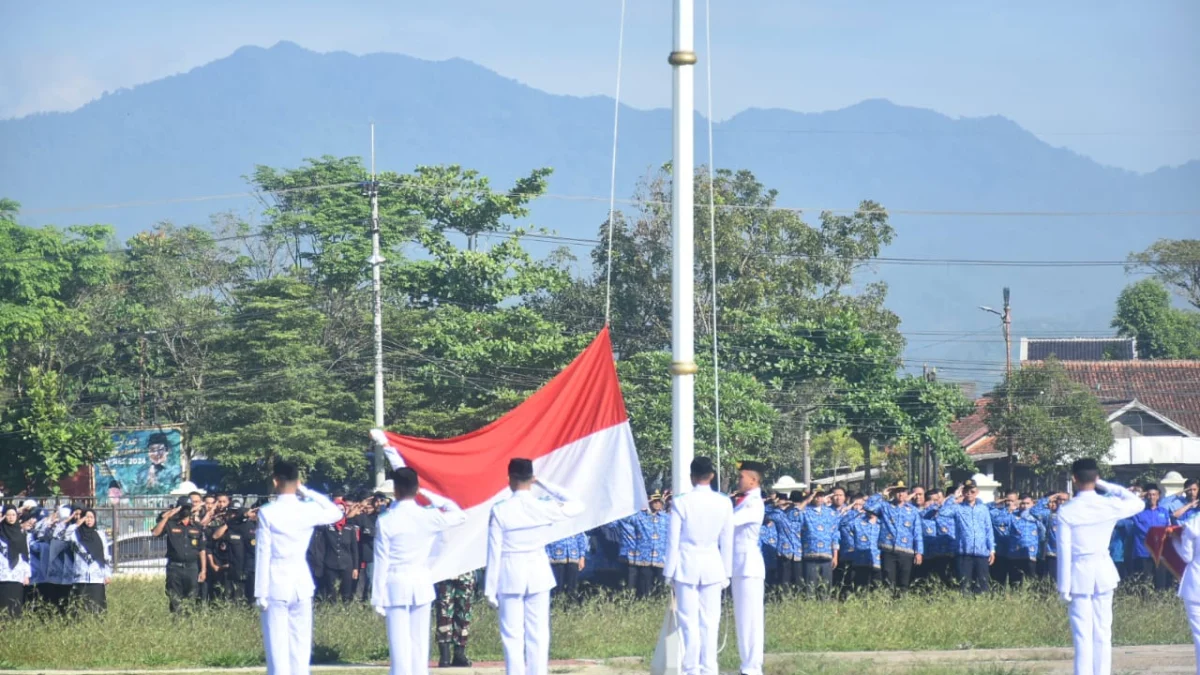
[(1160, 542)]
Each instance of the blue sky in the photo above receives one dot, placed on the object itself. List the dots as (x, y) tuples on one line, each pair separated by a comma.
[(1116, 80)]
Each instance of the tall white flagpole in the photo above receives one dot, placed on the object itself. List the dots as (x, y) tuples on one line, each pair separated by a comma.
[(668, 654), (683, 364)]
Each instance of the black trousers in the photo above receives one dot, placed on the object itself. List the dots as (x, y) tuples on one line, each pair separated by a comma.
[(566, 578), (56, 596), (182, 584), (791, 573), (867, 577), (973, 573), (1017, 569), (335, 582), (631, 576), (843, 577), (12, 598), (818, 577), (897, 569), (90, 598), (648, 580), (1149, 573), (941, 568), (1047, 567)]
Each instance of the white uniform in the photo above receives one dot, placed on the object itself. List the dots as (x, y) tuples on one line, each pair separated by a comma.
[(1086, 573), (519, 578), (402, 584), (1189, 584), (283, 585), (699, 564), (749, 576)]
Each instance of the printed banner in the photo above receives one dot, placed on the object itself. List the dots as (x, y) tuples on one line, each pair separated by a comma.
[(143, 462)]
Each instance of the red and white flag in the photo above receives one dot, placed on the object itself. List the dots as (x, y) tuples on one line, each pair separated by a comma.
[(576, 431)]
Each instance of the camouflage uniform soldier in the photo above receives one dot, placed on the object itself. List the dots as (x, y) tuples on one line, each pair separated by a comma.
[(454, 620)]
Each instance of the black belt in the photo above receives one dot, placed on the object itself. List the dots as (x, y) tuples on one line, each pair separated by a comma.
[(194, 563)]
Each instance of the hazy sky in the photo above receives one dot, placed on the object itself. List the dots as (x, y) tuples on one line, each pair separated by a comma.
[(1117, 80)]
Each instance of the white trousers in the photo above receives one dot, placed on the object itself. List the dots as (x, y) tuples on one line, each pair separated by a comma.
[(698, 608), (287, 636), (525, 633), (408, 639), (748, 615), (1091, 631), (1193, 616)]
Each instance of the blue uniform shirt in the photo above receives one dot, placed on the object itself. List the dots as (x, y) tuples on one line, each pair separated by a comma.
[(769, 543), (1041, 511), (1120, 537), (866, 541), (651, 538), (626, 533), (1002, 526), (900, 526), (974, 534), (940, 531), (819, 537), (787, 530), (847, 543), (1142, 522), (1026, 535)]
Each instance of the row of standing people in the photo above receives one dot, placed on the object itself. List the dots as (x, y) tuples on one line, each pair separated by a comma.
[(58, 558)]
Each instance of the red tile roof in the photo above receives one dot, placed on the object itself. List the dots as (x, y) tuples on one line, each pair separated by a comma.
[(1171, 388), (974, 426)]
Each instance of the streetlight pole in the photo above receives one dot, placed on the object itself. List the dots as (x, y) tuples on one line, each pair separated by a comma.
[(377, 291), (683, 364), (1006, 325)]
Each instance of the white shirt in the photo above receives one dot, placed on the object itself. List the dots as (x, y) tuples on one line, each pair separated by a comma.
[(1085, 527), (518, 530), (700, 538), (1189, 584), (404, 538), (747, 524), (285, 528)]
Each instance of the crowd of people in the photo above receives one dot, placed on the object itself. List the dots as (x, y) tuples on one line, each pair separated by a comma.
[(823, 544)]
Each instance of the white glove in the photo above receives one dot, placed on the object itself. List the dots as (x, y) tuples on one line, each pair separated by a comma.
[(261, 602), (491, 600), (381, 611), (725, 584), (1065, 598)]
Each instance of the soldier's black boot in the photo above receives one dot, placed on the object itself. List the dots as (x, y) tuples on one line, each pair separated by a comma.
[(444, 655), (460, 657)]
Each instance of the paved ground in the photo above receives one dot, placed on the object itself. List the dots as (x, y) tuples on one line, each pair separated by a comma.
[(1158, 659)]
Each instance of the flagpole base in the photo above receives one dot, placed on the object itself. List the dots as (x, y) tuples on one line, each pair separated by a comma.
[(668, 653)]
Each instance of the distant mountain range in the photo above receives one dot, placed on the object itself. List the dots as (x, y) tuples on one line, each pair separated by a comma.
[(198, 133)]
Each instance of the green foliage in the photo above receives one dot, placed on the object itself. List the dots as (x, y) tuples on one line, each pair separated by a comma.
[(930, 407), (1049, 419), (1144, 312), (1176, 263), (42, 440), (747, 419), (835, 450)]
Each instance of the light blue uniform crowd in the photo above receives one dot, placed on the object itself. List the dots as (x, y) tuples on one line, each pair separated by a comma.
[(57, 558)]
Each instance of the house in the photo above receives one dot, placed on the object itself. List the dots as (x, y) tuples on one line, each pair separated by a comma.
[(1079, 349), (1152, 406)]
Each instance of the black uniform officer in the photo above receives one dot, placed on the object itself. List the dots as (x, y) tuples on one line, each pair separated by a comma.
[(186, 563), (229, 550), (366, 546), (339, 548)]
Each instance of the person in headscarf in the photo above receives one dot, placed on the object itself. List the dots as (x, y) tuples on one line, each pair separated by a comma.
[(14, 563), (93, 563), (58, 560)]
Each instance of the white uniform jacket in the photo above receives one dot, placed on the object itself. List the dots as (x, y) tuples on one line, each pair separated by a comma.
[(518, 531), (404, 538), (1188, 546), (1085, 527), (700, 538), (747, 524), (285, 529)]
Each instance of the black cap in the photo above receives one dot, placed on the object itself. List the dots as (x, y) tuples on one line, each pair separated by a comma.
[(1084, 464), (520, 469), (750, 465), (702, 466), (183, 502), (796, 496), (969, 484)]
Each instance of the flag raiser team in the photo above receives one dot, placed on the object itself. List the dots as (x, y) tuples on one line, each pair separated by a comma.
[(712, 543)]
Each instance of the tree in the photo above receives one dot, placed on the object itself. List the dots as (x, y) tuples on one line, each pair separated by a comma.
[(1052, 421), (44, 442), (931, 407), (1176, 263), (1144, 312), (747, 418)]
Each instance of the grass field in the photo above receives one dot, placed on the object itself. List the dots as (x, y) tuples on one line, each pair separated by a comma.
[(138, 631)]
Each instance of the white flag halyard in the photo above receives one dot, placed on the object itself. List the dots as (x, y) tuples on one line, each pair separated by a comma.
[(575, 429)]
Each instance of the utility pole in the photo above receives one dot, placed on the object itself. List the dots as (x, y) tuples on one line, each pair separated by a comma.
[(142, 378), (1006, 324), (377, 290), (807, 456), (683, 275)]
